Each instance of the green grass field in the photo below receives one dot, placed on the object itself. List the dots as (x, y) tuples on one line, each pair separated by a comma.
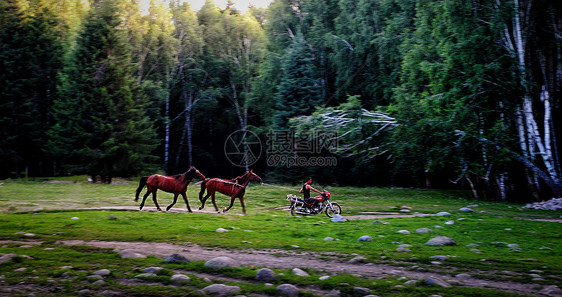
[(45, 208)]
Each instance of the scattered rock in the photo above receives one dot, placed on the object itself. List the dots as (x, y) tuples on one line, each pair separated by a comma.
[(220, 262), (130, 254), (442, 213), (288, 290), (112, 217), (437, 227), (449, 223), (265, 275), (180, 279), (365, 238), (437, 281), (146, 275), (9, 257), (411, 282), (324, 277), (221, 230), (402, 249), (329, 239), (29, 235), (466, 209), (463, 276), (358, 259), (472, 245), (338, 218), (440, 257), (99, 282), (403, 232), (300, 272), (424, 230), (552, 290), (176, 258), (94, 277), (75, 218), (441, 240), (361, 291), (154, 270), (221, 290), (552, 204), (102, 272)]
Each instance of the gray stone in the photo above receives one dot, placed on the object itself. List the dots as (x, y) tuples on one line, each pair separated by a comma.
[(324, 277), (180, 278), (221, 290), (155, 270), (401, 249), (403, 232), (145, 275), (358, 259), (300, 272), (329, 239), (220, 262), (440, 257), (361, 291), (552, 290), (338, 218), (411, 282), (112, 217), (9, 257), (365, 238), (288, 290), (130, 254), (424, 230), (221, 230), (437, 282), (94, 277), (441, 240), (99, 282), (176, 258), (265, 275), (442, 213), (103, 272), (449, 223), (465, 209)]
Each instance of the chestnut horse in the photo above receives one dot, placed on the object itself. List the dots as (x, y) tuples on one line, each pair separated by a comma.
[(235, 188), (171, 184)]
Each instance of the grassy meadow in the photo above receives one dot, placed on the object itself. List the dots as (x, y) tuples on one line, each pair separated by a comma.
[(45, 208)]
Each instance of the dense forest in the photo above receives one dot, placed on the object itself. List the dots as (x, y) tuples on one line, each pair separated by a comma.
[(404, 93)]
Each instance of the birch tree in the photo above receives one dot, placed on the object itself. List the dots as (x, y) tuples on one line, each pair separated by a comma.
[(538, 146)]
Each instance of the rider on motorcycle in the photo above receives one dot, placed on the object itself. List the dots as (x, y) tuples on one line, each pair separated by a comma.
[(305, 190)]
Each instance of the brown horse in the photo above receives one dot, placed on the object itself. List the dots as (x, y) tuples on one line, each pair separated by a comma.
[(171, 184), (235, 188)]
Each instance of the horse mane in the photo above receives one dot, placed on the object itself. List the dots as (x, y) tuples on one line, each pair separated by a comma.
[(185, 174)]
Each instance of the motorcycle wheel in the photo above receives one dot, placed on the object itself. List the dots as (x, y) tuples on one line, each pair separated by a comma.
[(293, 211), (333, 210)]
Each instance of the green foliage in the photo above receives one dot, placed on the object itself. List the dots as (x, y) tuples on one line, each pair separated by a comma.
[(299, 91), (100, 123)]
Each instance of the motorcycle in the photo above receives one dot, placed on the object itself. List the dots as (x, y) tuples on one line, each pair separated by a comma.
[(322, 204)]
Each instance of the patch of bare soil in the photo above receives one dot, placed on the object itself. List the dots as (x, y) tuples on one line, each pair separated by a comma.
[(280, 259)]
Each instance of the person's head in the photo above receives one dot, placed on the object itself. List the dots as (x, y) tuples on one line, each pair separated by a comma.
[(308, 180)]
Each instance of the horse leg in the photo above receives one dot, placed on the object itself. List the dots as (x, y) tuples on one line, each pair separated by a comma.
[(214, 203), (186, 203), (154, 199), (243, 206), (144, 199), (174, 202), (203, 200), (231, 203)]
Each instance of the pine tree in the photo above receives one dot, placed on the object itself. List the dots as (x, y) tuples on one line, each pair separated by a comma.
[(299, 90), (31, 47), (100, 124)]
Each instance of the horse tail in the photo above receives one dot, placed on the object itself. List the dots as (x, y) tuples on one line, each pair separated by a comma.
[(142, 183), (203, 188)]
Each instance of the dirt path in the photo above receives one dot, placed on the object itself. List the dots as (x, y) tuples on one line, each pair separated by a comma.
[(280, 259)]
